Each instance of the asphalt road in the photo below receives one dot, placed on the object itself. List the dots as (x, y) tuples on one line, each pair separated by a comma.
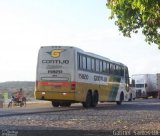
[(136, 105), (138, 115)]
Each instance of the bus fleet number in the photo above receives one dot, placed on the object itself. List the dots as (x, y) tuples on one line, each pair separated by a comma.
[(83, 76)]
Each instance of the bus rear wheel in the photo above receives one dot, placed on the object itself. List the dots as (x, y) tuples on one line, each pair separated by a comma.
[(55, 104), (95, 99), (88, 101), (65, 104)]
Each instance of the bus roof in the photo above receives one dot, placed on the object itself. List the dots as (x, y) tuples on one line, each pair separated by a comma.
[(87, 53)]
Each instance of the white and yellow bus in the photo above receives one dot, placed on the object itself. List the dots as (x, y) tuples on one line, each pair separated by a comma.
[(66, 75)]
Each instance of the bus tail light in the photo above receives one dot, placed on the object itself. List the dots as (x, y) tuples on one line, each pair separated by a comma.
[(73, 85)]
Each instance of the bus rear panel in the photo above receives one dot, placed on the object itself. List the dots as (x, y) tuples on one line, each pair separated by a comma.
[(55, 78)]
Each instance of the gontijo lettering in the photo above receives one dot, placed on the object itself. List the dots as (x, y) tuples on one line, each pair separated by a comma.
[(56, 53), (56, 61)]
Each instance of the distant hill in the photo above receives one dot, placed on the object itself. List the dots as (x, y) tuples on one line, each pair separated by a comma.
[(12, 86)]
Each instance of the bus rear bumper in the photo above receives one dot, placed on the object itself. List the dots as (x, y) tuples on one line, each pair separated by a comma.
[(55, 95)]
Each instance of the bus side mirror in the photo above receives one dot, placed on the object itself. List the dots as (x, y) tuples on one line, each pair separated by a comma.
[(145, 85), (133, 83)]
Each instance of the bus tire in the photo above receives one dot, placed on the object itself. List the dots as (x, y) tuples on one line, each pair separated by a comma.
[(88, 101), (121, 99), (130, 98), (146, 97), (68, 104), (55, 104), (94, 99), (65, 104)]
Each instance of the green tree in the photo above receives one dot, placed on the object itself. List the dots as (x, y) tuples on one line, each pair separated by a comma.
[(133, 15)]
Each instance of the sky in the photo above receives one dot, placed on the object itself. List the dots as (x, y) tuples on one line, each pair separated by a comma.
[(26, 25)]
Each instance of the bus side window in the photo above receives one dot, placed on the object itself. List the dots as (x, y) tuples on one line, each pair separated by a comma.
[(78, 61), (100, 66), (111, 68), (88, 63), (93, 64), (114, 69), (80, 64), (117, 70), (108, 67), (104, 67), (122, 71), (84, 63), (97, 65)]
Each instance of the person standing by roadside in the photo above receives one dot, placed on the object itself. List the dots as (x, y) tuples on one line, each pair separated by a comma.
[(19, 94)]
